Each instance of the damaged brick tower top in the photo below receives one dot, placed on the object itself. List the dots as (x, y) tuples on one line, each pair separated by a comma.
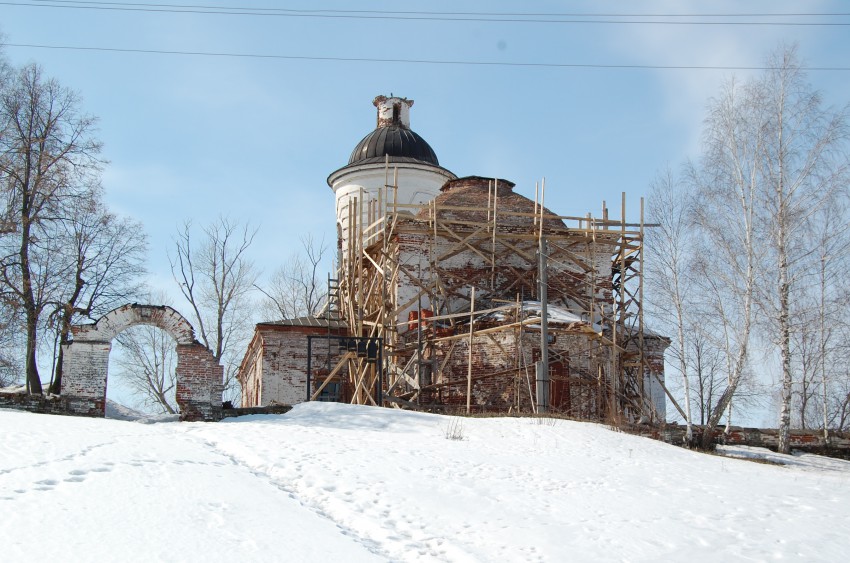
[(391, 155)]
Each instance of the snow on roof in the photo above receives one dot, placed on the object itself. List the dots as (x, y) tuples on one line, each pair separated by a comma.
[(556, 314), (559, 317)]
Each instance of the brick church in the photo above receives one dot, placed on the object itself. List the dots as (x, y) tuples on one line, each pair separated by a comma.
[(439, 297)]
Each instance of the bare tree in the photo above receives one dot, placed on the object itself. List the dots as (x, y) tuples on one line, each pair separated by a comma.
[(669, 256), (216, 277), (704, 361), (106, 255), (841, 406), (822, 311), (9, 344), (727, 182), (773, 159), (803, 168), (147, 361), (49, 161), (296, 289)]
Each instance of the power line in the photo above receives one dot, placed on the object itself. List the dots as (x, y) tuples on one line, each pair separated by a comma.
[(408, 61), (503, 17), (421, 12)]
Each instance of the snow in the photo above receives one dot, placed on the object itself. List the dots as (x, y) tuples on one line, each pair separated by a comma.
[(555, 314), (117, 411), (348, 483)]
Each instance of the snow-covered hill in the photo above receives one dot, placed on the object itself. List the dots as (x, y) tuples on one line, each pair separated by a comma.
[(329, 482)]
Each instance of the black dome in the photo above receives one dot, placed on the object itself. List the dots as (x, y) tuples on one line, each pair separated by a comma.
[(400, 143)]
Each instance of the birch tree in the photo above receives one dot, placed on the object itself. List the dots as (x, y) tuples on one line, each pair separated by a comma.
[(772, 159), (726, 180), (669, 250), (818, 342), (803, 168)]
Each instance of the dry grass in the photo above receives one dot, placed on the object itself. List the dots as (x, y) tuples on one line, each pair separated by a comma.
[(454, 429)]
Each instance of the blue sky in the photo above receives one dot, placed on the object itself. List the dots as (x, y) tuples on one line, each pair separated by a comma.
[(192, 137)]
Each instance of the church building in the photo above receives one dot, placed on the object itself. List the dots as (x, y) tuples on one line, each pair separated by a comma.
[(458, 294)]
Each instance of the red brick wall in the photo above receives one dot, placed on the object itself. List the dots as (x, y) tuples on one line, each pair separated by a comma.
[(199, 383), (504, 378)]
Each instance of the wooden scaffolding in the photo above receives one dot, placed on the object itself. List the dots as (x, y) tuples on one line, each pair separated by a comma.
[(461, 307)]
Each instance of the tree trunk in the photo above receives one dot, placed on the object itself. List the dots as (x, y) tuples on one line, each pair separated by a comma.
[(65, 332), (822, 314), (743, 345), (56, 385), (683, 365), (785, 353), (783, 225), (33, 378)]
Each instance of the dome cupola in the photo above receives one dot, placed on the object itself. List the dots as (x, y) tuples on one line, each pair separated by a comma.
[(393, 137), (392, 166)]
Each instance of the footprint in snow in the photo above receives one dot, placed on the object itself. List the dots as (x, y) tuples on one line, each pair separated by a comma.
[(76, 476)]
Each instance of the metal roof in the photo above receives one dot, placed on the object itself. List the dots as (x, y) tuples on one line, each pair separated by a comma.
[(399, 143), (315, 322)]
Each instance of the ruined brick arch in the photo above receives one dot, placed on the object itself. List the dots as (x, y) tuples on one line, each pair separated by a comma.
[(86, 361)]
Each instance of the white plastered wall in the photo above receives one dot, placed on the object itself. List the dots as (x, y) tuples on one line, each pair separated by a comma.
[(362, 185)]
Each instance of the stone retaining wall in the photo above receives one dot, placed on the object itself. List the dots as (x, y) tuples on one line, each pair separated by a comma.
[(52, 404), (809, 441)]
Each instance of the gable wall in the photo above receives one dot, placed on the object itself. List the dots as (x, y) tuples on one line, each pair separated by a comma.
[(279, 365)]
